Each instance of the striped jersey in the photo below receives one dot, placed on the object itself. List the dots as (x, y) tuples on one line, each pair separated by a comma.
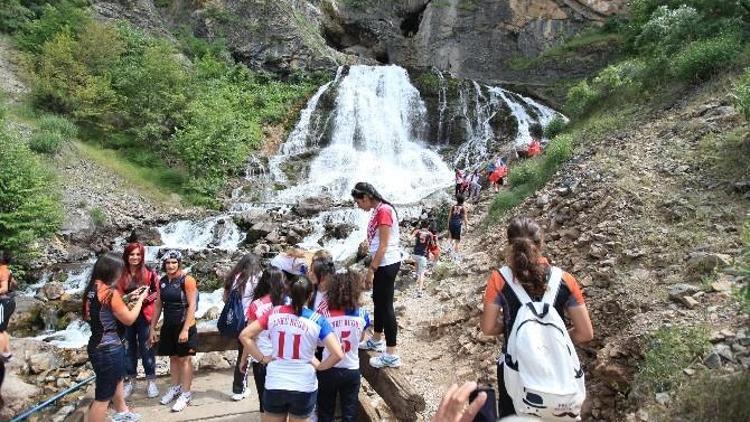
[(348, 327)]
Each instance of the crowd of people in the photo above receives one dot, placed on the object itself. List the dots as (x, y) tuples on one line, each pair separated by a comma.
[(302, 323)]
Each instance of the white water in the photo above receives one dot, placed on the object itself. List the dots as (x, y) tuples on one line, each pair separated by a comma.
[(544, 114), (375, 138), (219, 232), (74, 336)]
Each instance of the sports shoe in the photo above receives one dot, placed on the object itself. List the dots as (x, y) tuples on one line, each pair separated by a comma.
[(127, 416), (182, 401), (128, 388), (152, 390), (384, 360), (241, 396), (370, 344), (172, 394)]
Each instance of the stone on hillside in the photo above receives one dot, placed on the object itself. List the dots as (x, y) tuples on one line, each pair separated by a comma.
[(309, 207), (248, 219), (705, 262), (663, 399), (712, 361), (723, 284), (725, 351), (63, 413), (261, 249), (17, 395), (51, 291), (259, 231), (213, 361), (679, 290), (42, 361), (689, 301), (148, 235)]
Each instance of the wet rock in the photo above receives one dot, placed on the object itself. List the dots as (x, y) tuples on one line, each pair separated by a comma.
[(148, 235), (212, 313), (248, 219), (51, 291), (705, 262), (312, 206), (259, 231)]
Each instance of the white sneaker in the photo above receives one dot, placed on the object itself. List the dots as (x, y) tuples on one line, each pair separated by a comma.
[(182, 401), (370, 344), (126, 417), (152, 390), (172, 394), (241, 396), (385, 361), (128, 388)]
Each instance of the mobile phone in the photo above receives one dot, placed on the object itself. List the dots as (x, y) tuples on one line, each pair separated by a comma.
[(488, 412)]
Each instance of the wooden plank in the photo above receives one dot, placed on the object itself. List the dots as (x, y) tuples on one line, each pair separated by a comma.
[(209, 340), (392, 386), (367, 412)]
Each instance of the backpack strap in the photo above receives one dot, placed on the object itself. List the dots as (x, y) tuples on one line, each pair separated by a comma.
[(548, 300), (553, 286), (510, 280)]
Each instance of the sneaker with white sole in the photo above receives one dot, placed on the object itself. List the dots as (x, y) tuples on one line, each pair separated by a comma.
[(152, 390), (241, 396), (385, 361), (127, 416), (172, 394), (182, 401), (128, 388), (370, 344)]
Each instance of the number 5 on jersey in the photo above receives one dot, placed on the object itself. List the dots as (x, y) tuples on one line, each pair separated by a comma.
[(346, 345)]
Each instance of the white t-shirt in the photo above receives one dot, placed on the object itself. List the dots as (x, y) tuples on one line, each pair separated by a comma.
[(247, 295), (257, 309), (294, 340), (348, 326), (384, 215), (321, 302)]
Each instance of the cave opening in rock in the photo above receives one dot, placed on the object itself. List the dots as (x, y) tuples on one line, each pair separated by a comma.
[(410, 25)]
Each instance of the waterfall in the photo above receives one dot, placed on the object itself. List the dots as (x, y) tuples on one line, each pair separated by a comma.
[(442, 104), (219, 232), (376, 136), (543, 114)]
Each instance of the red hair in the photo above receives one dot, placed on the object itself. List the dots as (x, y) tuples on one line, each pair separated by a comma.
[(140, 273)]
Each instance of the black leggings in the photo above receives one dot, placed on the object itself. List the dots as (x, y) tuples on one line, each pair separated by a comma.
[(504, 402), (259, 374), (239, 383), (382, 297)]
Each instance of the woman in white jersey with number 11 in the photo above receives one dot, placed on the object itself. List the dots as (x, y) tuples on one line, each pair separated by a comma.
[(291, 383)]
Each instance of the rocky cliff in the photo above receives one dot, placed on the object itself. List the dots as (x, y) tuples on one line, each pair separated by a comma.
[(474, 39)]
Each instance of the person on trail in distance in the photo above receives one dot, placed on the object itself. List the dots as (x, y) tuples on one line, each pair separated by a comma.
[(457, 217), (242, 278), (383, 241), (422, 242), (525, 257), (291, 384), (135, 275), (460, 180), (178, 338), (105, 309), (7, 304)]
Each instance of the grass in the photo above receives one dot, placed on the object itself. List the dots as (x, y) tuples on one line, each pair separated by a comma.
[(148, 181), (743, 293), (587, 39), (670, 350), (725, 154), (712, 398)]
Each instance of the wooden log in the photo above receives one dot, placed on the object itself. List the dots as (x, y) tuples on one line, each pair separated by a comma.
[(209, 340), (392, 386), (367, 412)]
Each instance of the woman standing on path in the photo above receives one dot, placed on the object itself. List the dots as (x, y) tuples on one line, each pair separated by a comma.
[(456, 219), (178, 338), (530, 268), (104, 308), (269, 293), (243, 278), (136, 275), (383, 240), (291, 384), (7, 304), (422, 242)]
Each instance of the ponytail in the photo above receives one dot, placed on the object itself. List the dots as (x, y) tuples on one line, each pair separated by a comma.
[(364, 188), (300, 292), (525, 255)]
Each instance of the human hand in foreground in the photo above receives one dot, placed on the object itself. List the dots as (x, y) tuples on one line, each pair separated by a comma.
[(453, 407)]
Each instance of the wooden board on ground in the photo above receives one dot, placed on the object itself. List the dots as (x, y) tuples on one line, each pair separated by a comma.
[(392, 386)]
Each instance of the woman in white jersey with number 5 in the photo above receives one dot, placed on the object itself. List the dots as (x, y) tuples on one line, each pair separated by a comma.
[(291, 383), (383, 240)]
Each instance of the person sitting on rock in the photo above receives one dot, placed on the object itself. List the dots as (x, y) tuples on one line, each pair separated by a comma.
[(530, 269), (178, 338), (104, 308)]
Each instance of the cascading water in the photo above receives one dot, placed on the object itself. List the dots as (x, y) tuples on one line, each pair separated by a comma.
[(219, 232)]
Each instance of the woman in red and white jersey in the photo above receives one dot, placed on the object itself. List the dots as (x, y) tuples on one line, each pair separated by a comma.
[(269, 293), (348, 322), (291, 385)]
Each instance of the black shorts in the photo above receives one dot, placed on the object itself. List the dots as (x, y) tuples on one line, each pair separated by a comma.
[(455, 230), (109, 367), (169, 344), (7, 307)]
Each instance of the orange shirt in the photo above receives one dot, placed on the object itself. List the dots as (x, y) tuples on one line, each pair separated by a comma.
[(4, 278)]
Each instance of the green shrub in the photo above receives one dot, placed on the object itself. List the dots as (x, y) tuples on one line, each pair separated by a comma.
[(58, 124), (714, 398), (65, 16), (555, 127), (507, 200), (527, 171), (744, 267), (670, 350), (624, 75), (29, 204), (97, 216), (701, 59), (13, 15), (741, 94), (668, 28), (581, 97), (46, 142), (557, 152)]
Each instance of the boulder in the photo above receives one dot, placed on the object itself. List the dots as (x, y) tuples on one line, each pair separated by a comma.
[(42, 361), (248, 219), (17, 395), (312, 206), (78, 226), (259, 231), (705, 262), (51, 291), (213, 361), (679, 290), (148, 235)]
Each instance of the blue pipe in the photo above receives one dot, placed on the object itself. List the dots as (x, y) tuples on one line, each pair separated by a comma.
[(28, 412)]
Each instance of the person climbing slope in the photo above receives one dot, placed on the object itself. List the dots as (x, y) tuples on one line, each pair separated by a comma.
[(457, 217), (531, 274), (422, 243)]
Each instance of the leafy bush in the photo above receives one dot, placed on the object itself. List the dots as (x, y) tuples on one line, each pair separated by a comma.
[(13, 15), (527, 171), (670, 351), (29, 204), (741, 94), (58, 124), (97, 216), (46, 142), (715, 398), (626, 74), (701, 59), (65, 16), (554, 127), (668, 28), (581, 97), (557, 152)]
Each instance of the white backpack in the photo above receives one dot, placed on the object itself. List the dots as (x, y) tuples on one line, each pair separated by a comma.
[(542, 372)]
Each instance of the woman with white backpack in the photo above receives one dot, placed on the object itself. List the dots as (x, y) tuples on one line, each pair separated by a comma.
[(539, 373)]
